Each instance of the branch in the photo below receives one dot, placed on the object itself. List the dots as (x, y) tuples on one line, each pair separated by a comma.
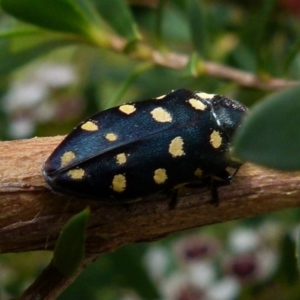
[(179, 61), (32, 216), (51, 283)]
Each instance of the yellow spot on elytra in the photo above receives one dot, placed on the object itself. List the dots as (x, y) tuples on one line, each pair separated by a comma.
[(215, 139), (176, 147), (111, 137), (89, 126), (205, 95), (160, 97), (76, 173), (159, 114), (160, 176), (197, 104), (119, 183), (127, 109), (198, 172), (121, 158), (66, 158)]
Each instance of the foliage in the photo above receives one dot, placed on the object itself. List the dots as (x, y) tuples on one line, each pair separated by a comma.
[(70, 247), (61, 61)]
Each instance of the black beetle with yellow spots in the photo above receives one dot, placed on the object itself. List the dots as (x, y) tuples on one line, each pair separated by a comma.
[(151, 146)]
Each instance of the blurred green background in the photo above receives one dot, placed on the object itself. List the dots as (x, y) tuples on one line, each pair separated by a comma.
[(59, 64)]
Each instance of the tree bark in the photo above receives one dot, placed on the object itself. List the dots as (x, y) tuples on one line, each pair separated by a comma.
[(32, 216)]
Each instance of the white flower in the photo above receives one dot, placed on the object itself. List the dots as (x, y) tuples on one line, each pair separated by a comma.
[(225, 289), (55, 75), (196, 248), (179, 287), (201, 274), (36, 88), (24, 95), (271, 233), (243, 240), (156, 261), (21, 128), (268, 261), (44, 112)]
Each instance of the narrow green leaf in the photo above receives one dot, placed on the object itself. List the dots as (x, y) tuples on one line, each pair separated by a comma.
[(198, 26), (159, 12), (12, 58), (59, 15), (257, 34), (69, 250), (298, 250), (19, 32), (136, 277), (292, 54), (287, 273), (270, 135), (191, 69), (140, 69), (118, 15)]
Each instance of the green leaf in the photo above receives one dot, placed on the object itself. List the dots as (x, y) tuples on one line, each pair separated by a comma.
[(69, 250), (136, 277), (118, 15), (198, 26), (298, 250), (191, 69), (60, 15), (19, 31), (257, 34), (159, 12), (291, 57), (287, 264), (140, 69), (263, 18), (270, 135), (12, 57)]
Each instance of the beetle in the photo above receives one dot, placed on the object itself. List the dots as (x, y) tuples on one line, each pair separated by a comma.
[(136, 149)]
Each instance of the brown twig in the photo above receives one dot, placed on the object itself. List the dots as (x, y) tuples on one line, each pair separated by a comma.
[(51, 283), (32, 216), (179, 61)]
